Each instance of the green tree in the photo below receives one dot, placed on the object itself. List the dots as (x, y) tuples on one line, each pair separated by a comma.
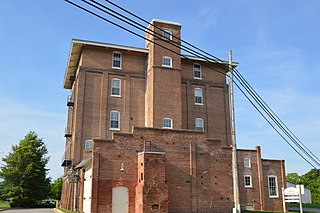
[(310, 180), (294, 178), (56, 188), (24, 172)]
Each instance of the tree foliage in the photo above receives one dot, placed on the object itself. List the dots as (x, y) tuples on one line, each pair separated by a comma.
[(24, 172), (56, 188), (310, 180)]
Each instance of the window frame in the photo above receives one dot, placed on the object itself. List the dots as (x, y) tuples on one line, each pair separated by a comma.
[(166, 32), (245, 181), (249, 163), (110, 123), (276, 186), (194, 71), (196, 96), (168, 119), (112, 87), (163, 60), (113, 60), (202, 124)]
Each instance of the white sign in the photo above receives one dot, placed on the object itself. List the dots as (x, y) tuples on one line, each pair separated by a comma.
[(291, 191)]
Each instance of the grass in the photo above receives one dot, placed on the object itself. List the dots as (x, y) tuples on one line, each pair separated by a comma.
[(67, 211), (4, 205)]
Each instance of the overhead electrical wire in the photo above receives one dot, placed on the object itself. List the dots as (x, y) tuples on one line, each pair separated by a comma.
[(212, 58)]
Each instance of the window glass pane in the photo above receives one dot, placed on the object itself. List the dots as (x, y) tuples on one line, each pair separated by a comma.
[(273, 191), (197, 71), (114, 120), (166, 61), (116, 61), (246, 162), (198, 96), (247, 181), (167, 35), (167, 123), (115, 87), (199, 124)]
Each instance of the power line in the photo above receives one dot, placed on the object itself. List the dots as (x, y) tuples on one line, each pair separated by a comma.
[(240, 78)]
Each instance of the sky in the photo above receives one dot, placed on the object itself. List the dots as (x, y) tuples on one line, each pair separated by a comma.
[(275, 42)]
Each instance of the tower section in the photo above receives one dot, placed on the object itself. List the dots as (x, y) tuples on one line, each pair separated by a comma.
[(163, 78)]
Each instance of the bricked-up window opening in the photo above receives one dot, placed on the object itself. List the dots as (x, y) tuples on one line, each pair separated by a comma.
[(115, 87), (273, 186), (197, 71), (199, 124), (114, 120), (166, 61), (167, 123), (167, 35), (116, 60), (246, 163), (198, 96), (155, 206), (247, 181)]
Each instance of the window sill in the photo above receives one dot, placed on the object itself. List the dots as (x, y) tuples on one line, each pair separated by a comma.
[(197, 78), (272, 197), (114, 129), (166, 66), (200, 104), (116, 68), (116, 96), (248, 187)]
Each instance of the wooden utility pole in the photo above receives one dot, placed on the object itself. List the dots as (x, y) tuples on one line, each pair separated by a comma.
[(236, 208)]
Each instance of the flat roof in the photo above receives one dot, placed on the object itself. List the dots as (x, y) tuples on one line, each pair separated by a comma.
[(165, 22)]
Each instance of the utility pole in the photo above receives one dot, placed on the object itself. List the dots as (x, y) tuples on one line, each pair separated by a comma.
[(236, 208)]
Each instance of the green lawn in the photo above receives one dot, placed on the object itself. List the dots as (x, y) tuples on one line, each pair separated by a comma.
[(4, 205)]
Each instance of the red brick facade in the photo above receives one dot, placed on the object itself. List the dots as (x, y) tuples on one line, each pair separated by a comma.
[(155, 169)]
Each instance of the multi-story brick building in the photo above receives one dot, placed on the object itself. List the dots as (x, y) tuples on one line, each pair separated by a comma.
[(149, 131)]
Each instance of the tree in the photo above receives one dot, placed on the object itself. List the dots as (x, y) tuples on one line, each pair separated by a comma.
[(24, 172), (56, 188), (294, 178), (310, 180)]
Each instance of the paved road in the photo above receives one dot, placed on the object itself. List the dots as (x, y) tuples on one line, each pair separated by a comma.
[(29, 211), (304, 209)]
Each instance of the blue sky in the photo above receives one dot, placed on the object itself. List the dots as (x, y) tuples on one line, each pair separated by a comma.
[(275, 42)]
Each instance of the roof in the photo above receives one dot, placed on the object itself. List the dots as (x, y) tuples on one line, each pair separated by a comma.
[(77, 46), (166, 22), (75, 53)]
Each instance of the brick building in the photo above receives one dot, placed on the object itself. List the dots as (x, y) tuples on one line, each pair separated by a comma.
[(149, 131)]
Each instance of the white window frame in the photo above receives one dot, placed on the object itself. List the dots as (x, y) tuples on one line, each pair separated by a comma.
[(276, 186), (111, 120), (194, 71), (198, 93), (247, 163), (201, 126), (164, 58), (163, 123), (114, 87), (114, 59), (167, 34), (88, 145), (245, 182)]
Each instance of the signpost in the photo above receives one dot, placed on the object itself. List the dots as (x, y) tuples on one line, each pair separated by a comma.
[(292, 195)]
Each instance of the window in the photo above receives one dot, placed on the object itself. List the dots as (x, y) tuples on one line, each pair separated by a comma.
[(198, 96), (197, 71), (199, 124), (115, 87), (88, 145), (167, 34), (247, 181), (273, 186), (116, 60), (167, 123), (114, 120), (246, 163), (166, 61)]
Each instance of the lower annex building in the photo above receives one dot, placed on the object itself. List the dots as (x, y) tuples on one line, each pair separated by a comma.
[(148, 130)]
